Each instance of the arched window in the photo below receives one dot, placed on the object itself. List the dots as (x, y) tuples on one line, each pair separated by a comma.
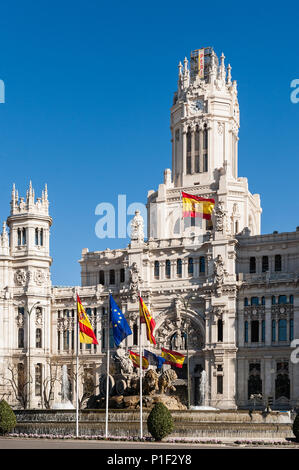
[(38, 338), (220, 330), (277, 262), (38, 380), (101, 277), (21, 338), (157, 270), (265, 264), (205, 149), (196, 154), (24, 236), (21, 379), (179, 268), (135, 334), (36, 236), (282, 299), (202, 264), (19, 237), (282, 330), (254, 300), (167, 269), (111, 276), (189, 149), (41, 237), (252, 264), (190, 266)]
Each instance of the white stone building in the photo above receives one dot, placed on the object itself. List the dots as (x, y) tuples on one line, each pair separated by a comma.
[(233, 290)]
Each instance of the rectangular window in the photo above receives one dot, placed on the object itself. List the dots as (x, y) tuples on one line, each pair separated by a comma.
[(277, 262), (273, 331), (265, 264), (282, 330), (263, 331), (202, 266), (252, 265), (220, 384), (122, 275), (255, 331)]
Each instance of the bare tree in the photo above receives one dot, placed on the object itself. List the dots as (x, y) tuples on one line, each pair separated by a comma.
[(49, 381), (19, 383)]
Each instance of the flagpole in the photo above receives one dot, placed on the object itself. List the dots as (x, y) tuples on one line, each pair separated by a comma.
[(77, 370), (140, 371), (108, 366)]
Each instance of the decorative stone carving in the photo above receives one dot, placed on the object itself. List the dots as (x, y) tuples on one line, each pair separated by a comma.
[(134, 281), (20, 277), (39, 277), (219, 274), (38, 316), (220, 217)]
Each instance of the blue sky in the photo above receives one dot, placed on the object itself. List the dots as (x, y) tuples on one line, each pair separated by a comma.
[(89, 87)]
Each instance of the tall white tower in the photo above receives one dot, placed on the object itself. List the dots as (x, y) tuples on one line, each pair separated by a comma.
[(25, 288), (204, 126)]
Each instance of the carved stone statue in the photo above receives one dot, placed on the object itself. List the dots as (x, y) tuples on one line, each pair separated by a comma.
[(166, 380), (134, 281), (137, 224), (151, 382), (123, 358), (220, 217)]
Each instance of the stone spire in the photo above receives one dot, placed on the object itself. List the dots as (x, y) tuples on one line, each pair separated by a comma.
[(222, 73)]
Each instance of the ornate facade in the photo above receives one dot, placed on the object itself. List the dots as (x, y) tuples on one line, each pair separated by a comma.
[(217, 289)]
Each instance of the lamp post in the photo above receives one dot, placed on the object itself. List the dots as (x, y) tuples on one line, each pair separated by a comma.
[(28, 365)]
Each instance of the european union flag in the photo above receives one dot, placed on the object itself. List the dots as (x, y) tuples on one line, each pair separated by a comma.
[(120, 325), (154, 359)]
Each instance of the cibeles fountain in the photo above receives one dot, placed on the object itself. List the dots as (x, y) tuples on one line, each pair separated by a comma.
[(65, 403), (124, 386)]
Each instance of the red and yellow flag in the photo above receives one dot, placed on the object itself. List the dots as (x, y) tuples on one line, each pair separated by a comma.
[(172, 357), (145, 317), (86, 334), (135, 358), (196, 206)]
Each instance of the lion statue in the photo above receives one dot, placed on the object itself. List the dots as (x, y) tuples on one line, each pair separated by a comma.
[(166, 380), (151, 382)]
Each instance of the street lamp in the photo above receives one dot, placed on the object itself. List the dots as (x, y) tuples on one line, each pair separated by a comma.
[(28, 365)]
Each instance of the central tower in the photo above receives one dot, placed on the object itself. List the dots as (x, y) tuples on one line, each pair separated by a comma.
[(204, 125), (204, 120)]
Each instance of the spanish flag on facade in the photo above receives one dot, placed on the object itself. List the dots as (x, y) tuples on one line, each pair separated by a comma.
[(196, 206), (86, 334), (145, 317), (173, 358), (135, 358)]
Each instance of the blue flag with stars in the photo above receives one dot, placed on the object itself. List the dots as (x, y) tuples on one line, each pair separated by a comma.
[(120, 326)]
